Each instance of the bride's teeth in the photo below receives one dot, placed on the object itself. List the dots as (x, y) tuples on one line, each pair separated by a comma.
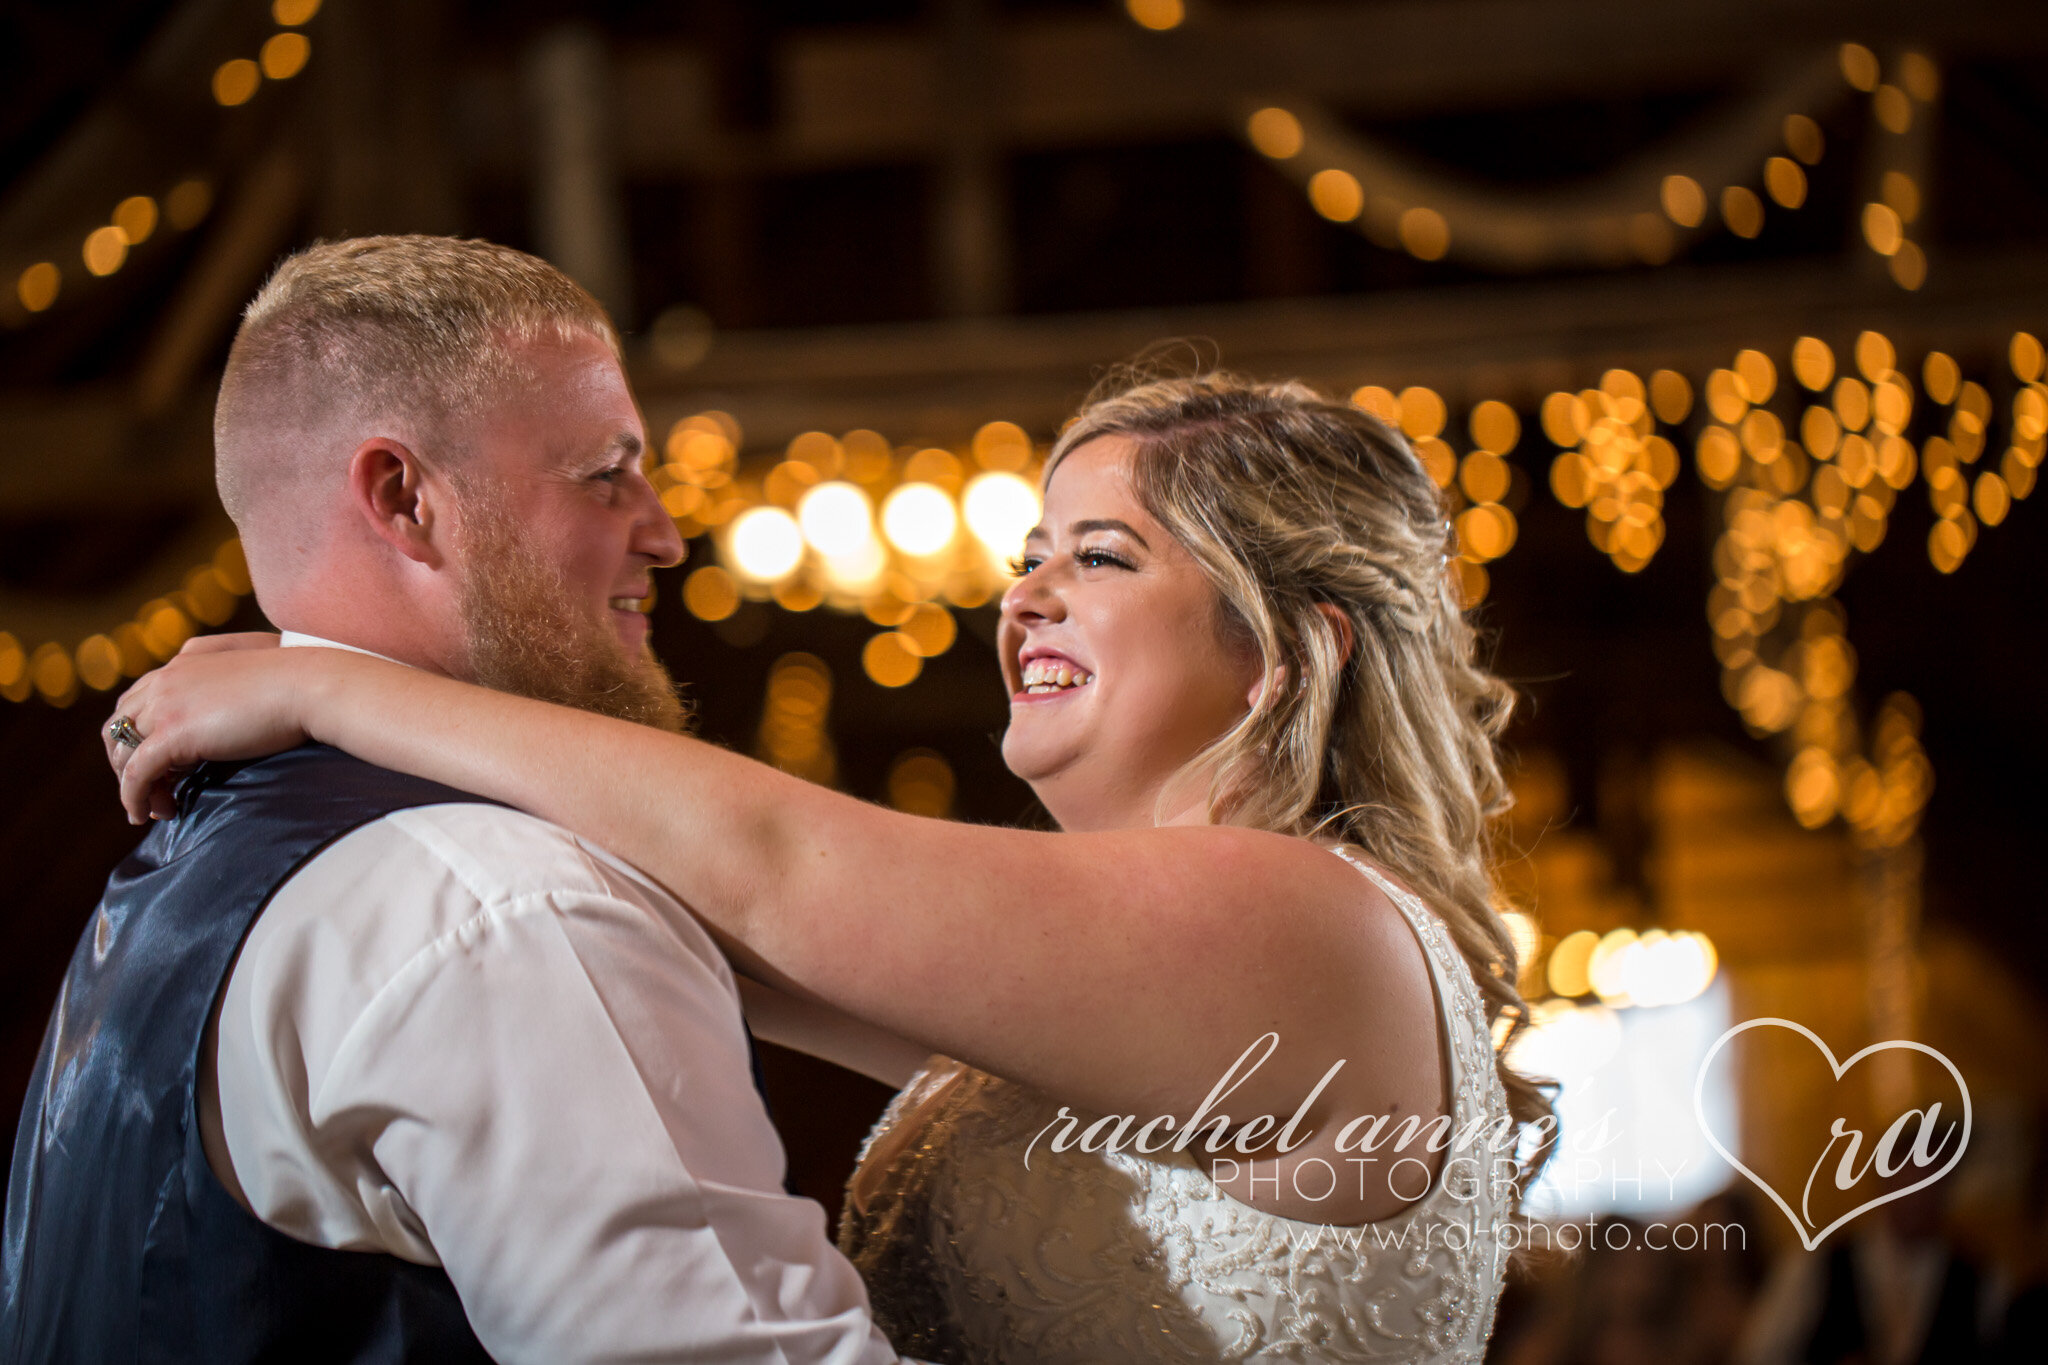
[(1042, 676)]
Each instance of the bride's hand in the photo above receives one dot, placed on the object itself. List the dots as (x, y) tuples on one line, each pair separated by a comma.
[(223, 697)]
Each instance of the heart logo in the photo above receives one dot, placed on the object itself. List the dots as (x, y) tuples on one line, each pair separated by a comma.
[(1798, 1224)]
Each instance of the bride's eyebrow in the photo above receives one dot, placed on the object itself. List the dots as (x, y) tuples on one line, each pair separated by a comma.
[(1082, 528)]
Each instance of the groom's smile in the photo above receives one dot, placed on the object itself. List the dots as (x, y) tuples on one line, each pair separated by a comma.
[(629, 616), (572, 459)]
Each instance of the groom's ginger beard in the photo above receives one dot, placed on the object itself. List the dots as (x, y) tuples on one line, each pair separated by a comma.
[(525, 637)]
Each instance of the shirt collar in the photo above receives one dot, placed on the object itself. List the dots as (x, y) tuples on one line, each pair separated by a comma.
[(298, 639)]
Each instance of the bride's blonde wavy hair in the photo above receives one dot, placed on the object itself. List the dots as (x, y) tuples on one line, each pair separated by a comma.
[(1290, 503)]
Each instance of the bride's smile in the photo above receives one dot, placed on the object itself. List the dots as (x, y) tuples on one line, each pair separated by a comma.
[(1118, 659)]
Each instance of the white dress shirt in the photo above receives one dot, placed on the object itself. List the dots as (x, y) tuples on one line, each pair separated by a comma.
[(465, 1037)]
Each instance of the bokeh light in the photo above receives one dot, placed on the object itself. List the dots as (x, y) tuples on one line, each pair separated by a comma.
[(766, 543), (919, 519), (836, 517), (1000, 509), (1275, 132), (235, 82)]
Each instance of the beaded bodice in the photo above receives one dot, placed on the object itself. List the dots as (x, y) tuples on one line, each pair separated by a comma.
[(970, 1256)]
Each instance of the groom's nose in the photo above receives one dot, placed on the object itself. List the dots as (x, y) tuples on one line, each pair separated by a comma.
[(654, 531)]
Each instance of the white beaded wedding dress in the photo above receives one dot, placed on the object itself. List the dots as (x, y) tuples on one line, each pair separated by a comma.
[(1109, 1257)]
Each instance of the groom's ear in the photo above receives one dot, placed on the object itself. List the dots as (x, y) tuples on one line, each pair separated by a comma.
[(390, 489)]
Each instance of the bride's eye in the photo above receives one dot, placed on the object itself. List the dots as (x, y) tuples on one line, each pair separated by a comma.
[(1096, 559), (1023, 565)]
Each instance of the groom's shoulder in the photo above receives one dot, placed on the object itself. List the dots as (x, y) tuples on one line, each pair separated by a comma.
[(416, 892), (421, 876), (502, 854)]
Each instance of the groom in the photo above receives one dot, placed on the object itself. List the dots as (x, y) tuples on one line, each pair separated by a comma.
[(352, 1067)]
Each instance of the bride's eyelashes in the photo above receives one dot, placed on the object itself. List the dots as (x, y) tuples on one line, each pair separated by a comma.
[(1087, 559)]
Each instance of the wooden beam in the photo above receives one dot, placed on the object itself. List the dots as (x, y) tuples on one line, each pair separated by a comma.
[(211, 296), (1511, 340), (854, 96)]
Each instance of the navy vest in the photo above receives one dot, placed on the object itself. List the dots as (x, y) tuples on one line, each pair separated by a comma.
[(120, 1243)]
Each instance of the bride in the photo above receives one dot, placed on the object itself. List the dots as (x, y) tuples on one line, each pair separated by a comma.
[(1242, 684)]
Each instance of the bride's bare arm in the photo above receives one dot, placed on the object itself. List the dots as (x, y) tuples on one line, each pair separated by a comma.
[(834, 1035), (1122, 971)]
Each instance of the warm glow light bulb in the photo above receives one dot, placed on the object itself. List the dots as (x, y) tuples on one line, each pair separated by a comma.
[(1566, 1040), (1664, 969), (1157, 15), (1001, 509), (919, 519), (1275, 132), (766, 543), (860, 569), (836, 519), (1606, 968)]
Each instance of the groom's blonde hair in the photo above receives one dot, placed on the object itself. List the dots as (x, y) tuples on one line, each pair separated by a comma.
[(412, 332)]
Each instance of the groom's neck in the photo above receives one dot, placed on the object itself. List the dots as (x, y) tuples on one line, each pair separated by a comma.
[(394, 634)]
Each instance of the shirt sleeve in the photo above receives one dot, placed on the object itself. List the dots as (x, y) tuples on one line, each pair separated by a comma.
[(550, 1096)]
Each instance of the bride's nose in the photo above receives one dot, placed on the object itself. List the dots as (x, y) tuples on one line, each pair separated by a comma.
[(1033, 598)]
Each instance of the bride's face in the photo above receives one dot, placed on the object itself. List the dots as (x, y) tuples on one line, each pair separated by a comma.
[(1112, 647)]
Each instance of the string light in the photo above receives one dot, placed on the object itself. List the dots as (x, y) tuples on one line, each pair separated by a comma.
[(1000, 509), (766, 544), (1742, 211), (1623, 968), (1797, 502), (1685, 203), (1425, 233), (711, 594), (1613, 464), (285, 55), (1157, 15), (1885, 220), (920, 519), (1859, 66), (1803, 138), (136, 217), (891, 659), (930, 629), (921, 783), (104, 251), (1794, 510), (1336, 195), (37, 286), (234, 82), (837, 520), (1275, 133), (793, 734), (805, 534), (1785, 182), (188, 203), (208, 596), (1391, 218)]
